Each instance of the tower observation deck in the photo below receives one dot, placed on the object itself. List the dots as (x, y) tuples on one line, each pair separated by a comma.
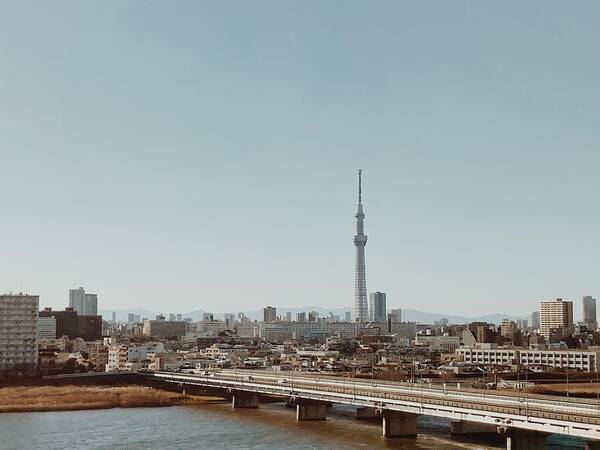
[(361, 310)]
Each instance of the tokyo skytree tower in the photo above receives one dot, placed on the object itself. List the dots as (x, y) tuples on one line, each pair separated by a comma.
[(361, 310)]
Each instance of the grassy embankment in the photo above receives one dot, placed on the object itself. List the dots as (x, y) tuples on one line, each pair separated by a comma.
[(72, 398)]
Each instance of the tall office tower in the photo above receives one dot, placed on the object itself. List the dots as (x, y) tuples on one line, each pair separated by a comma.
[(377, 306), (90, 305), (84, 304), (46, 328), (556, 315), (313, 316), (269, 314), (179, 318), (396, 315), (361, 309), (301, 317), (77, 299), (589, 312), (114, 317), (288, 316), (18, 333), (535, 320), (348, 316)]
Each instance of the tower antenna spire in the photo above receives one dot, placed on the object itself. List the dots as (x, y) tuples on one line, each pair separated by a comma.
[(361, 309), (359, 185)]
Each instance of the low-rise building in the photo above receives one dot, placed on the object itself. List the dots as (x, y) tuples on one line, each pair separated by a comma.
[(98, 355), (164, 329), (438, 343), (581, 360)]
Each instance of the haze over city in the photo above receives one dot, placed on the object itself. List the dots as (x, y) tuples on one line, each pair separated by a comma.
[(205, 156)]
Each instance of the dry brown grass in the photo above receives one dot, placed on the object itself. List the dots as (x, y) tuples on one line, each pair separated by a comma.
[(583, 389), (71, 398)]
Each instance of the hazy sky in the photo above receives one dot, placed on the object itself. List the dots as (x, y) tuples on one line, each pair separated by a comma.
[(203, 155)]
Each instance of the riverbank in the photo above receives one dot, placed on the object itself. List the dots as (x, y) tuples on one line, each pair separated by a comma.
[(590, 390), (73, 398)]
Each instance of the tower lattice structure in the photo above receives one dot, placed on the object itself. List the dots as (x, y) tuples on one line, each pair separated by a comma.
[(361, 310)]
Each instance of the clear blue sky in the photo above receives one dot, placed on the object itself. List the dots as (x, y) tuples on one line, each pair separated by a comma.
[(186, 155)]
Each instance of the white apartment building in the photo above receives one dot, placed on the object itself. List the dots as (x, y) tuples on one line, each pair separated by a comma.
[(18, 333), (582, 360), (122, 357), (487, 355), (438, 343), (117, 358)]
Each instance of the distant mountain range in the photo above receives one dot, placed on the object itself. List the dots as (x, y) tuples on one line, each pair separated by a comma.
[(411, 315)]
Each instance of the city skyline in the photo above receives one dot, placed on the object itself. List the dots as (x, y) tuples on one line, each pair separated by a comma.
[(217, 175), (188, 189)]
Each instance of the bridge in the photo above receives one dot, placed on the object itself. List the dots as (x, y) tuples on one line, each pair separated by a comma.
[(525, 419)]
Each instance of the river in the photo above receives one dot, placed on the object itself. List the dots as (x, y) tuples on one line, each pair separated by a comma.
[(216, 426)]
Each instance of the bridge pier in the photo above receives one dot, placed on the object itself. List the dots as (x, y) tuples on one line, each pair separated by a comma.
[(311, 410), (244, 400), (366, 413), (464, 427), (399, 424), (525, 440)]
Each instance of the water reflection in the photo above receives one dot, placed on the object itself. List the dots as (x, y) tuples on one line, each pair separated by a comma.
[(272, 426)]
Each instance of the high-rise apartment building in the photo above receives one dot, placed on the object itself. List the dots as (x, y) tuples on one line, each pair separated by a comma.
[(288, 316), (535, 320), (46, 328), (313, 316), (348, 316), (361, 309), (269, 314), (556, 315), (589, 312), (301, 317), (18, 333), (377, 306), (85, 304)]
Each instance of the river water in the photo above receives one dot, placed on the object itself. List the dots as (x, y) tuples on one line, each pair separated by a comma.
[(216, 426)]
